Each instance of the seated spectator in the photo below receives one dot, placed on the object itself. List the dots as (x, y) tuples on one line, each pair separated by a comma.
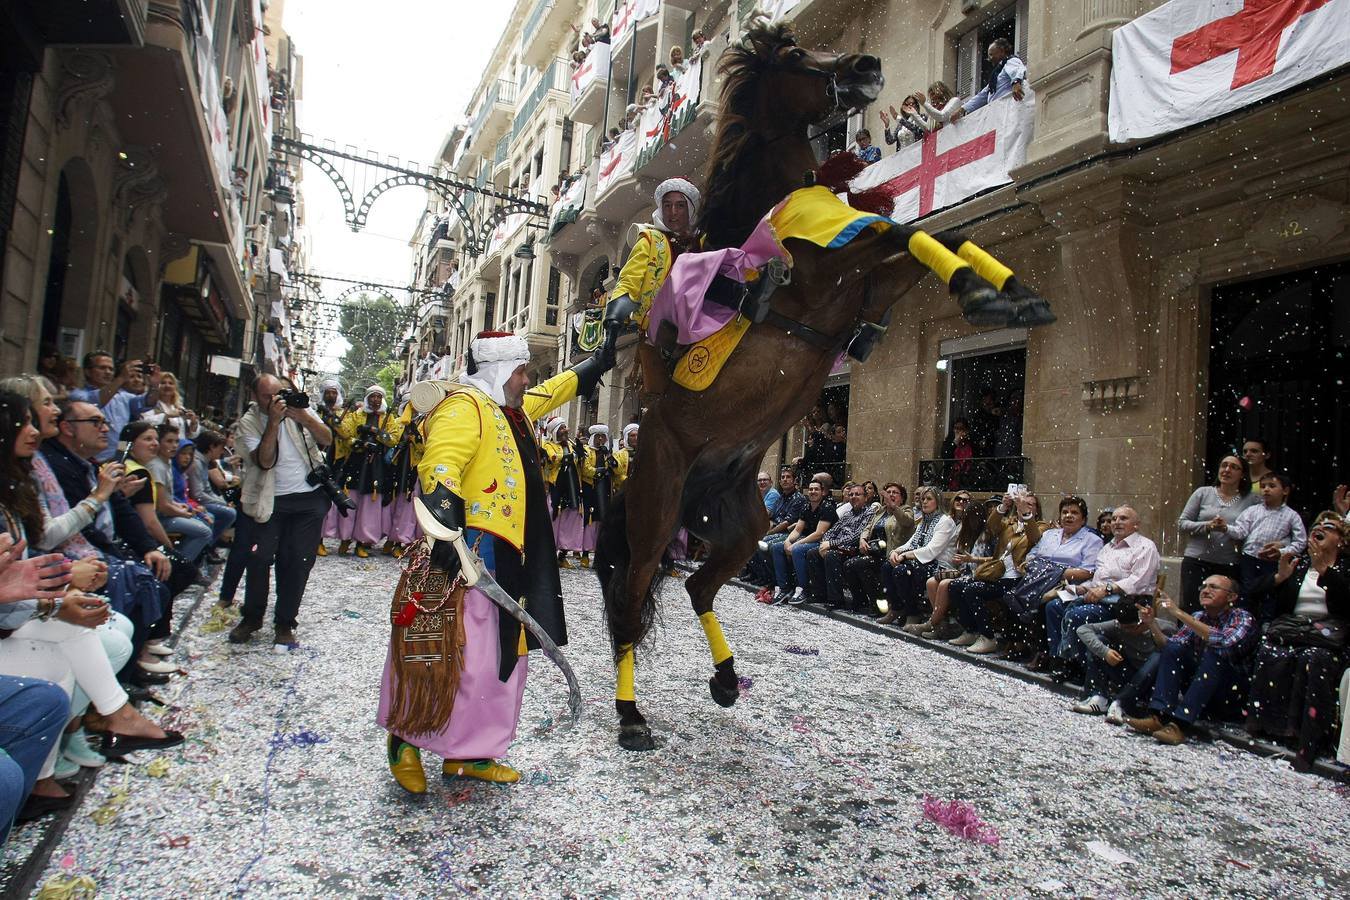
[(194, 535), (792, 506), (768, 494), (1211, 550), (1302, 655), (168, 405), (1064, 554), (120, 536), (1103, 526), (192, 487), (891, 526), (940, 105), (907, 126), (134, 593), (1127, 564), (1266, 530), (974, 542), (1122, 659), (34, 712), (1201, 670), (870, 493), (144, 450), (825, 567), (865, 150), (907, 569), (1008, 76), (803, 538), (974, 596)]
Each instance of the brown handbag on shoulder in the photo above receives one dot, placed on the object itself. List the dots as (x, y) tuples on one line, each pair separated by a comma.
[(426, 650)]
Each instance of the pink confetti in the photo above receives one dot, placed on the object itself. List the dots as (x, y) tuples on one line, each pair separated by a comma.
[(961, 819), (68, 861)]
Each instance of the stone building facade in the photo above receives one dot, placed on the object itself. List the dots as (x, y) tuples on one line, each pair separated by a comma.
[(136, 159)]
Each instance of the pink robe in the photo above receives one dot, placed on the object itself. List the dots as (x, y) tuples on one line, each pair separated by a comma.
[(483, 722)]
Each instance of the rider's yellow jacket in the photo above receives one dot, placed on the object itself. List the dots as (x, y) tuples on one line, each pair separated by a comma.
[(469, 448), (645, 271)]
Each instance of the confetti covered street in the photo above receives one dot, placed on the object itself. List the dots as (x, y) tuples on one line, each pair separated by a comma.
[(813, 784)]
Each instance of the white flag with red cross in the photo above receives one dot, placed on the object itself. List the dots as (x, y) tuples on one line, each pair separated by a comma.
[(959, 160), (1191, 60)]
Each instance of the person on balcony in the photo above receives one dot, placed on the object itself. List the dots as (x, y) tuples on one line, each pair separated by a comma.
[(1008, 76)]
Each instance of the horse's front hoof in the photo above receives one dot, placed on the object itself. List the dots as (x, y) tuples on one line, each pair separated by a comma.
[(636, 737), (723, 696), (1031, 312), (981, 302)]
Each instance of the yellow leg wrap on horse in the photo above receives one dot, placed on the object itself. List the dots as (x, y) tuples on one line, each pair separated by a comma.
[(717, 643), (624, 691), (988, 268), (936, 257)]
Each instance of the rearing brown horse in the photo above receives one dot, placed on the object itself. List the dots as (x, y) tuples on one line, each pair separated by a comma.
[(700, 450)]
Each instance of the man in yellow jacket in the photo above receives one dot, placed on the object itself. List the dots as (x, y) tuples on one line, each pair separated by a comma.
[(482, 483)]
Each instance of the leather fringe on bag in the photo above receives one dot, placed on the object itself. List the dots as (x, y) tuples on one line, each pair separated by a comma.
[(427, 650)]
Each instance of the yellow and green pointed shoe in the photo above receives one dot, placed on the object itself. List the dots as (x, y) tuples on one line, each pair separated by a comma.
[(405, 761), (362, 552), (323, 551), (482, 769), (344, 547)]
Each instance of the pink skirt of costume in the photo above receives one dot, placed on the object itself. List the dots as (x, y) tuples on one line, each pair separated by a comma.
[(403, 527), (570, 531), (372, 517), (483, 723), (338, 526)]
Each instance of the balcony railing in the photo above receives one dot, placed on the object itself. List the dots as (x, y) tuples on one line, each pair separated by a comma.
[(534, 18), (557, 77), (503, 150), (500, 91), (981, 473)]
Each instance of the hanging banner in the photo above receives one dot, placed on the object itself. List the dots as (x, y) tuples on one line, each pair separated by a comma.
[(616, 162), (674, 109), (588, 329), (569, 205), (627, 15), (504, 230), (264, 86), (955, 162), (594, 67), (1191, 60)]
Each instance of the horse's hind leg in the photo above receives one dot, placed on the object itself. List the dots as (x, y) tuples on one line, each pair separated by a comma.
[(653, 513), (726, 558), (1028, 308)]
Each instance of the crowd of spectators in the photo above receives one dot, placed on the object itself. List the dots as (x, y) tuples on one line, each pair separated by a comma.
[(1256, 634), (115, 497), (926, 111)]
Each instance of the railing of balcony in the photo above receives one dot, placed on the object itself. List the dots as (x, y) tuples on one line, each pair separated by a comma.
[(557, 77), (503, 148), (500, 91), (535, 17), (982, 473)]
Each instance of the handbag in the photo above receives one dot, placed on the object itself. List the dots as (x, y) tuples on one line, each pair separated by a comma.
[(426, 648), (1292, 630)]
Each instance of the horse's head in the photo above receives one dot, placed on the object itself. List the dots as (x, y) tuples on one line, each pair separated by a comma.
[(804, 84)]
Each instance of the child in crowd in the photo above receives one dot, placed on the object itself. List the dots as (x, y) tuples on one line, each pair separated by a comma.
[(1265, 531)]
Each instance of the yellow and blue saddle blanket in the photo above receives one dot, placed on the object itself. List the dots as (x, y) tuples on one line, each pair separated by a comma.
[(812, 214)]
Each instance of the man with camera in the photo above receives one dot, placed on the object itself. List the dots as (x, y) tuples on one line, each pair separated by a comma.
[(121, 395), (285, 495)]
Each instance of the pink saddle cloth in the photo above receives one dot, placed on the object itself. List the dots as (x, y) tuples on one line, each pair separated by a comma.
[(680, 299)]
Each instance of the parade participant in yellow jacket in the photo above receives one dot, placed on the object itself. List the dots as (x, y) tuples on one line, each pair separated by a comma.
[(331, 411), (453, 682), (371, 429), (624, 455), (569, 519), (403, 528)]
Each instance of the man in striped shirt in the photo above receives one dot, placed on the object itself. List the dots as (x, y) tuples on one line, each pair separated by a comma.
[(1201, 668)]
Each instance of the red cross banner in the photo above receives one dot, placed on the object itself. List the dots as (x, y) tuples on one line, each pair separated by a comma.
[(955, 162), (1192, 60)]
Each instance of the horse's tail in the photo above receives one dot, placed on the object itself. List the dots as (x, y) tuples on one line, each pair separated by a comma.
[(629, 622)]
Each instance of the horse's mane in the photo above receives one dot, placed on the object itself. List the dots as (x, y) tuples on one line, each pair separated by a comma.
[(740, 68)]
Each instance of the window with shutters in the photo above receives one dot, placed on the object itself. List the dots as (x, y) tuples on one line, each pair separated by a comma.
[(972, 57), (490, 311), (551, 300)]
